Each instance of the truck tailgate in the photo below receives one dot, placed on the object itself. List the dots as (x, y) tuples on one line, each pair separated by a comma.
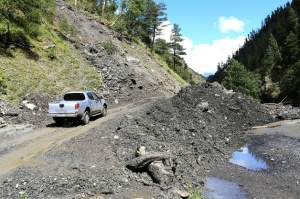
[(62, 107)]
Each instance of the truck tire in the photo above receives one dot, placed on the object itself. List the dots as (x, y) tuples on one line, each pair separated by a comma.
[(104, 112), (86, 118)]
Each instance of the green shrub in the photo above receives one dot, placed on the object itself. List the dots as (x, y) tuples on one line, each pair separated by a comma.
[(110, 47), (3, 85), (65, 27), (195, 193)]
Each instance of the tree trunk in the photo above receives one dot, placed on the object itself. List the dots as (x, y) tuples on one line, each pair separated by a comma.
[(153, 38), (7, 33), (103, 6), (75, 3), (174, 54)]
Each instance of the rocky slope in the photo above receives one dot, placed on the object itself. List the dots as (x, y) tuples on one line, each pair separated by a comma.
[(130, 74)]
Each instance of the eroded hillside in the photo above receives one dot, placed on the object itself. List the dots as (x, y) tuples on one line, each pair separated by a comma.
[(77, 60)]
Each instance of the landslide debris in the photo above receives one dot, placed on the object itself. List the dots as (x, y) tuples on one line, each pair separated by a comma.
[(184, 136), (199, 127)]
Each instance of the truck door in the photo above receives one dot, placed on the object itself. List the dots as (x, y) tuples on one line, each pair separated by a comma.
[(93, 103), (99, 104)]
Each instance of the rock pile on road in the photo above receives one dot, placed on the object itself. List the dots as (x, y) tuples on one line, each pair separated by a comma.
[(283, 112), (186, 135), (198, 128), (32, 110)]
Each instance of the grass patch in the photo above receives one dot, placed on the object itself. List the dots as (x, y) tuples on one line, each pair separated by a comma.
[(166, 67), (59, 69), (195, 193)]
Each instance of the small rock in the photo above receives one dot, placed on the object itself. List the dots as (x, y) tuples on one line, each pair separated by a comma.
[(116, 137), (183, 194), (140, 151)]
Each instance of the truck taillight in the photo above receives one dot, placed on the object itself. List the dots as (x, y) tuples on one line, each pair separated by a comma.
[(76, 106), (47, 107)]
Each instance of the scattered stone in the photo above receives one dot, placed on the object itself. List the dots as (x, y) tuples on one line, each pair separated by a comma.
[(49, 46), (183, 194), (140, 151)]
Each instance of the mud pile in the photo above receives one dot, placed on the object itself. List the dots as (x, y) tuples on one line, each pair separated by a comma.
[(198, 127)]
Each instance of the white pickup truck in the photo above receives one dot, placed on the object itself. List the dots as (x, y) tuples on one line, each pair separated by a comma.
[(77, 104)]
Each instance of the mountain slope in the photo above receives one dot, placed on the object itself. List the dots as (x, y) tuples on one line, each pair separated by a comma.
[(74, 57)]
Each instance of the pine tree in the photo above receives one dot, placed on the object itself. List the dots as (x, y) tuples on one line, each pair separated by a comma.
[(175, 46), (155, 16), (272, 55), (238, 78)]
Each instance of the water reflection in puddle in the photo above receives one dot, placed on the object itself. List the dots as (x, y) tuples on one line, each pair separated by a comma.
[(222, 189), (246, 159)]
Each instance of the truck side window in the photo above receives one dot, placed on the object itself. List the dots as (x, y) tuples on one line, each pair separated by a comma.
[(96, 96), (90, 95)]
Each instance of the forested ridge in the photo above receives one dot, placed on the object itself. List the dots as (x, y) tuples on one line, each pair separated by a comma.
[(270, 58)]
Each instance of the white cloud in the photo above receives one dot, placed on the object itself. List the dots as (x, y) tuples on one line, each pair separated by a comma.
[(166, 32), (230, 24), (204, 58)]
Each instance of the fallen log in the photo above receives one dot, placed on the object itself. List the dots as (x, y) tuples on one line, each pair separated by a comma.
[(145, 160)]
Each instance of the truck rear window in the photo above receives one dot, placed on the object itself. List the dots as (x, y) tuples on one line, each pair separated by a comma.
[(74, 97)]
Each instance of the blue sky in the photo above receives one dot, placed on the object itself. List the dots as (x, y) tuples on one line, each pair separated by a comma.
[(212, 30)]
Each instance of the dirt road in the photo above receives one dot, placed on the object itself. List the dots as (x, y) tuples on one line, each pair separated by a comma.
[(21, 148)]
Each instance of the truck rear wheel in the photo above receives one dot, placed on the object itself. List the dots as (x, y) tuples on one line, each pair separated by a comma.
[(86, 118)]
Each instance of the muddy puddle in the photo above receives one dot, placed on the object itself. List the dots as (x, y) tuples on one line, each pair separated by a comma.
[(246, 158), (221, 189)]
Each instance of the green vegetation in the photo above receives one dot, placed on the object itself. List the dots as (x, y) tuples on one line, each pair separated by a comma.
[(272, 54), (110, 47), (239, 79), (43, 61), (3, 85), (23, 17), (67, 29), (195, 193), (23, 196)]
